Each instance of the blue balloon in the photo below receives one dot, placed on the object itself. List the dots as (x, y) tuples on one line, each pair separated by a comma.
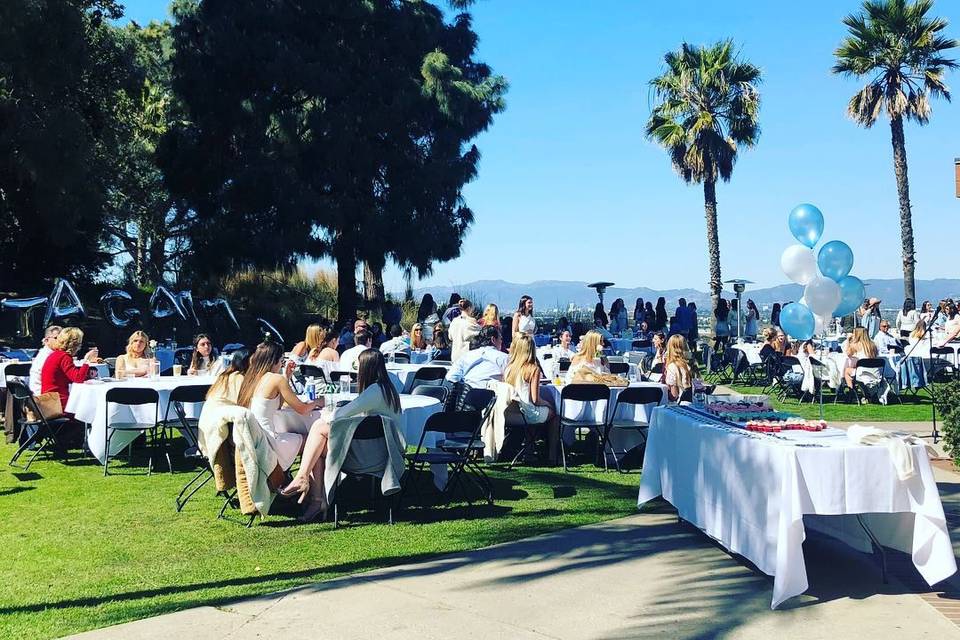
[(806, 224), (835, 260), (798, 321), (852, 294)]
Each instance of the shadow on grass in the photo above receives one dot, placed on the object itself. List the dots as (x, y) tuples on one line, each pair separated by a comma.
[(9, 491)]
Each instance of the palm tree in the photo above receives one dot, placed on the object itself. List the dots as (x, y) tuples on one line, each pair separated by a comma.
[(707, 106), (902, 52)]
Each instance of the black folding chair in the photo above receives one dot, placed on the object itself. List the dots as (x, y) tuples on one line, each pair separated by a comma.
[(584, 393), (189, 394), (631, 396), (431, 376), (941, 369), (620, 368), (636, 345), (449, 425), (131, 398), (336, 375), (370, 429), (312, 371), (40, 432), (433, 391), (401, 358)]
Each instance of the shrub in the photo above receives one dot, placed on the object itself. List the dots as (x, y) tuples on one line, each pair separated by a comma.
[(947, 398)]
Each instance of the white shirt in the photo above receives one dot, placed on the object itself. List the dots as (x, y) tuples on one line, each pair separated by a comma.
[(884, 341), (478, 366), (36, 368), (560, 351), (394, 344), (348, 361), (462, 330)]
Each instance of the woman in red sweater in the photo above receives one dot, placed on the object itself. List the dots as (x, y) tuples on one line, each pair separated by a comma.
[(59, 371)]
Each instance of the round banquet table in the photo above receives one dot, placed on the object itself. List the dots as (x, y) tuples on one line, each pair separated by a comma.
[(415, 411), (87, 402), (597, 411)]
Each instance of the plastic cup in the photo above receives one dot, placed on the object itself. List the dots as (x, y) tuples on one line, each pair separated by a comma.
[(178, 369)]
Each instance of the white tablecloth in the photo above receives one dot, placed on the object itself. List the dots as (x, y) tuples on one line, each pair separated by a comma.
[(416, 410), (751, 491), (751, 349), (402, 374), (87, 402)]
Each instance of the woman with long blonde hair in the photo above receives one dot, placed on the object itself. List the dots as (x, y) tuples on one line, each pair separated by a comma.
[(523, 374), (310, 345), (137, 361), (676, 370), (417, 341), (858, 347), (590, 354), (491, 316)]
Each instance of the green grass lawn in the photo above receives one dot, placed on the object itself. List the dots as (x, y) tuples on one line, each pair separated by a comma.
[(915, 408), (83, 551)]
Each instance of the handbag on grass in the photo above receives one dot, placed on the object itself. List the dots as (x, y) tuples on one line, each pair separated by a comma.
[(49, 405)]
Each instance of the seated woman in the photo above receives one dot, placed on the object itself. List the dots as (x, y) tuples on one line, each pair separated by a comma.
[(952, 326), (326, 351), (377, 397), (138, 360), (441, 344), (643, 332), (264, 390), (226, 388), (919, 332), (676, 370), (417, 341), (523, 374), (564, 348), (772, 346), (659, 353), (202, 363), (59, 370), (589, 355), (858, 347)]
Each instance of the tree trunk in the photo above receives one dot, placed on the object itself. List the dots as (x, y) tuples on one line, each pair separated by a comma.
[(713, 244), (373, 293), (344, 253), (906, 217), (140, 259)]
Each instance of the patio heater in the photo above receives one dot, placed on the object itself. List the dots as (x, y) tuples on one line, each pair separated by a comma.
[(739, 286), (601, 288)]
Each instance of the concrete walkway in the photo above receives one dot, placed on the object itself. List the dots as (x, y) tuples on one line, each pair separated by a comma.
[(645, 576)]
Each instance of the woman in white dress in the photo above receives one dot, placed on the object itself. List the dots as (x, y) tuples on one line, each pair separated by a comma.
[(523, 320), (264, 390), (137, 361), (463, 328), (523, 374), (378, 397)]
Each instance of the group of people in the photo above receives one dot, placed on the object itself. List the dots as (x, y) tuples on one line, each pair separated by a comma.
[(647, 319), (55, 366), (915, 323), (261, 382)]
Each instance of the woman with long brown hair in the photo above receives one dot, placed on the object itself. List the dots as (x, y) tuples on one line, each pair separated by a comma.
[(202, 362), (377, 397), (264, 391), (462, 329), (523, 320)]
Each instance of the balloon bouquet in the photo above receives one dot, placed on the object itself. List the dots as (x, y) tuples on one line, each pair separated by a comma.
[(829, 289)]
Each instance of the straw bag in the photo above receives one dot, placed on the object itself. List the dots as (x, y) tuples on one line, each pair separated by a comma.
[(49, 405)]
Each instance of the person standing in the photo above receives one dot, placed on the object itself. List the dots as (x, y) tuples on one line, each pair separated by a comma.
[(618, 317), (775, 315), (752, 320), (462, 329), (721, 331), (639, 313), (907, 318), (523, 320)]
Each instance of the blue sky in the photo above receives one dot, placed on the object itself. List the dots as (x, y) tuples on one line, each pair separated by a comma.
[(569, 189)]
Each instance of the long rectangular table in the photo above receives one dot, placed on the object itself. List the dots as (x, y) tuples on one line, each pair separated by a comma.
[(750, 492)]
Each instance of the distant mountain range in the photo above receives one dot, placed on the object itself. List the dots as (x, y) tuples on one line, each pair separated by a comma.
[(558, 294)]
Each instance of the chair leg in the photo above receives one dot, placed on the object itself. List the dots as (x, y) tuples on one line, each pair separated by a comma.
[(563, 450), (180, 500)]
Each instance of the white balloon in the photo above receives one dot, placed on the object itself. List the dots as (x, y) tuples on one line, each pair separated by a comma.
[(822, 296), (799, 264), (821, 324)]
